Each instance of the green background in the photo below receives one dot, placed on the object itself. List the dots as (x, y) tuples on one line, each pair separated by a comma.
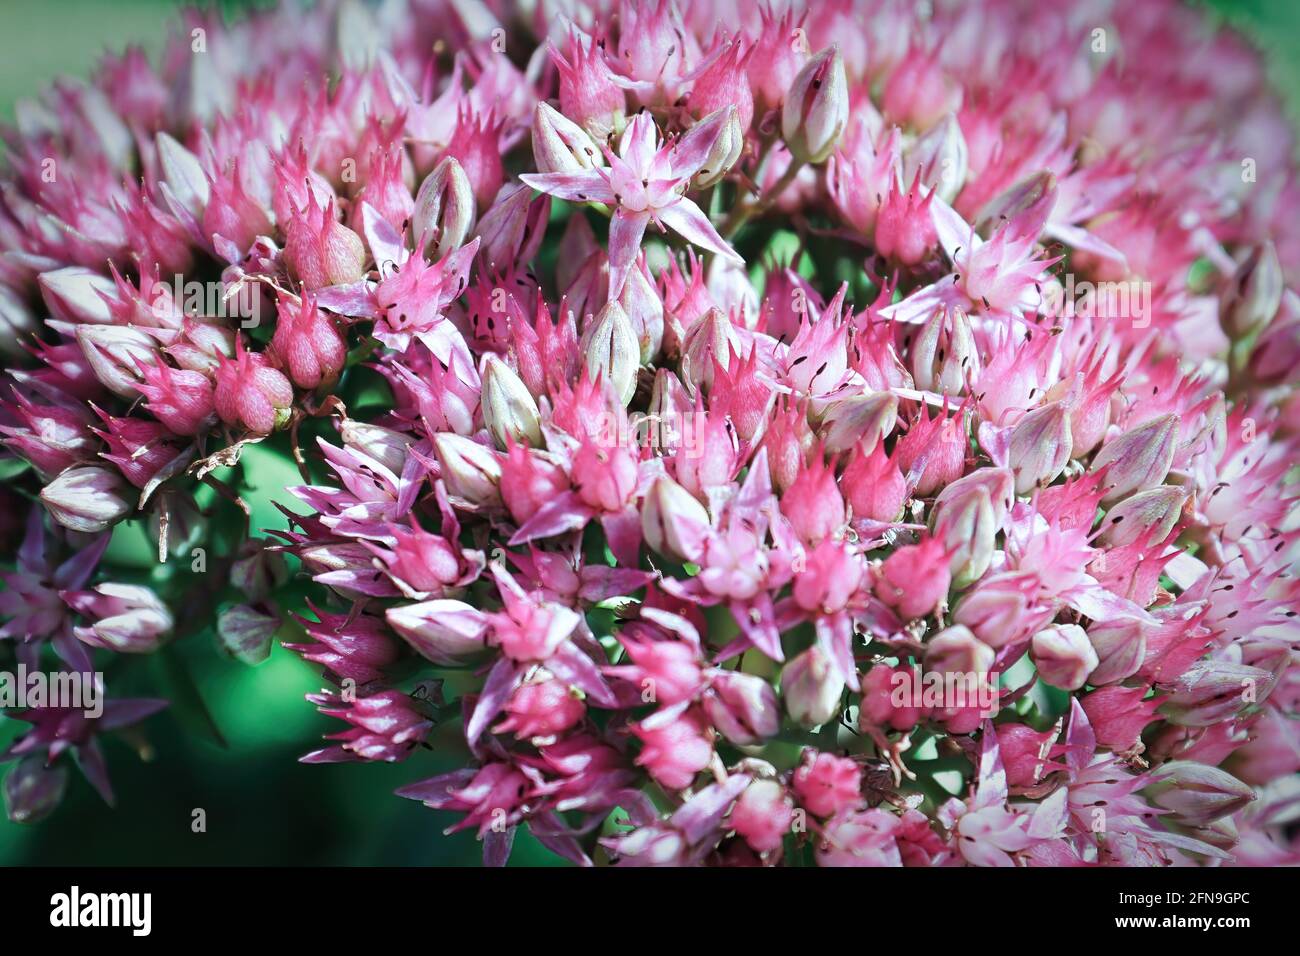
[(262, 806)]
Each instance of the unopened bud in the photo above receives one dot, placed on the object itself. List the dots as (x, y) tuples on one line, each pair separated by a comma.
[(128, 618), (611, 350), (712, 337), (444, 631), (32, 791), (1197, 793), (645, 311), (955, 650), (743, 707), (115, 353), (860, 419), (1121, 647), (444, 210), (940, 157), (1139, 458), (816, 108), (727, 147), (561, 145), (77, 294), (509, 411), (998, 482), (812, 687), (246, 632), (673, 521), (1255, 293), (387, 446), (471, 472), (944, 356), (1039, 447), (258, 570), (1212, 691), (88, 498), (183, 173), (968, 527), (1063, 655), (1149, 514)]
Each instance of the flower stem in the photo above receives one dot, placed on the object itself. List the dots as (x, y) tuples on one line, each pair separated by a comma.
[(746, 211)]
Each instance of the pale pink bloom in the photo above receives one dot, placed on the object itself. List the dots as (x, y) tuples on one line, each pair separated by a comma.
[(646, 182)]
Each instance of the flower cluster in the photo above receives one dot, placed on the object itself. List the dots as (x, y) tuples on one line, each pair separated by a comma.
[(859, 432)]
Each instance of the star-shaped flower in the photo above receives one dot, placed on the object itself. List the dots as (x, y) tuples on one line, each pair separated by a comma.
[(646, 181)]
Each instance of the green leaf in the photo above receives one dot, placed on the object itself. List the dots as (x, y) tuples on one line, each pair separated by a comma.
[(186, 702), (11, 468)]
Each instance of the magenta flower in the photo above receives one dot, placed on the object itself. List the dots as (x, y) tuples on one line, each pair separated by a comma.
[(958, 528)]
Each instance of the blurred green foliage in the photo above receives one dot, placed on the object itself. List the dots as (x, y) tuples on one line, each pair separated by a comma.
[(262, 806)]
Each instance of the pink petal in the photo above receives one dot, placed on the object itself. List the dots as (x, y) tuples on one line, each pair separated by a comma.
[(586, 186), (954, 232), (688, 221), (625, 232), (637, 146), (1082, 239), (560, 514), (693, 149)]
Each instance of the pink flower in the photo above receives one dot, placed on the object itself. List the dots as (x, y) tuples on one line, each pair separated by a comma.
[(528, 481), (541, 707), (529, 629), (675, 746), (606, 477), (882, 704), (966, 419), (904, 228), (1025, 753), (307, 344), (873, 485), (320, 251), (231, 213), (1118, 714), (825, 784), (475, 148), (589, 92), (358, 648), (646, 181), (384, 726), (914, 579), (251, 394), (490, 796), (857, 837), (813, 503), (180, 399), (665, 672), (762, 815), (832, 575), (724, 82)]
